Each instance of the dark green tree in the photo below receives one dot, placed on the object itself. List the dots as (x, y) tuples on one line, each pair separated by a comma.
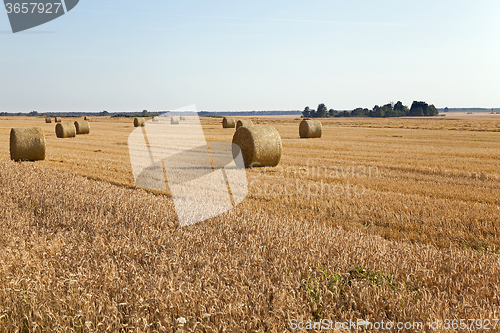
[(398, 106), (388, 111), (332, 113), (321, 111), (104, 113), (376, 112), (418, 112), (401, 110), (307, 112), (433, 111), (418, 109), (360, 112)]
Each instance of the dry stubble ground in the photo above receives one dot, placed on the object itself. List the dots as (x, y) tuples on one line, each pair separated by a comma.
[(417, 242)]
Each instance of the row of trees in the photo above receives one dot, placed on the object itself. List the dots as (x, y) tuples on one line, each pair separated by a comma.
[(103, 113), (388, 110), (36, 114)]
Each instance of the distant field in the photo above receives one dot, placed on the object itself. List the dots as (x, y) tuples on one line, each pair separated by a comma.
[(475, 115), (413, 201)]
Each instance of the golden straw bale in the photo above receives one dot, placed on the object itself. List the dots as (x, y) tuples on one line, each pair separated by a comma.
[(57, 119), (244, 122), (82, 127), (27, 144), (139, 122), (174, 121), (65, 130), (228, 122), (310, 128), (48, 120), (260, 145)]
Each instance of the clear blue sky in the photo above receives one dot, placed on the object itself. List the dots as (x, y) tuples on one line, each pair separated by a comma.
[(254, 55)]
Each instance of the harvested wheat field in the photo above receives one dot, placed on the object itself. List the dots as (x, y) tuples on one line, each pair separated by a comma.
[(393, 220)]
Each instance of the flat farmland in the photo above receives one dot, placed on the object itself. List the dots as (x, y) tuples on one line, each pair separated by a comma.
[(380, 219)]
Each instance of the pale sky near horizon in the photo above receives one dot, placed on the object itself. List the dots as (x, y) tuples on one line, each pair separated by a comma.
[(254, 55)]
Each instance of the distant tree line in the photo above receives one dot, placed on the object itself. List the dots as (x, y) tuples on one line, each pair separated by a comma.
[(54, 114), (388, 110), (35, 113), (446, 109), (30, 114), (247, 113)]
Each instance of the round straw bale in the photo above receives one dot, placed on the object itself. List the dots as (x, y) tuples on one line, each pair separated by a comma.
[(86, 118), (260, 145), (82, 127), (182, 118), (48, 120), (174, 121), (228, 122), (65, 130), (139, 122), (310, 128), (57, 119), (27, 144), (244, 122)]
